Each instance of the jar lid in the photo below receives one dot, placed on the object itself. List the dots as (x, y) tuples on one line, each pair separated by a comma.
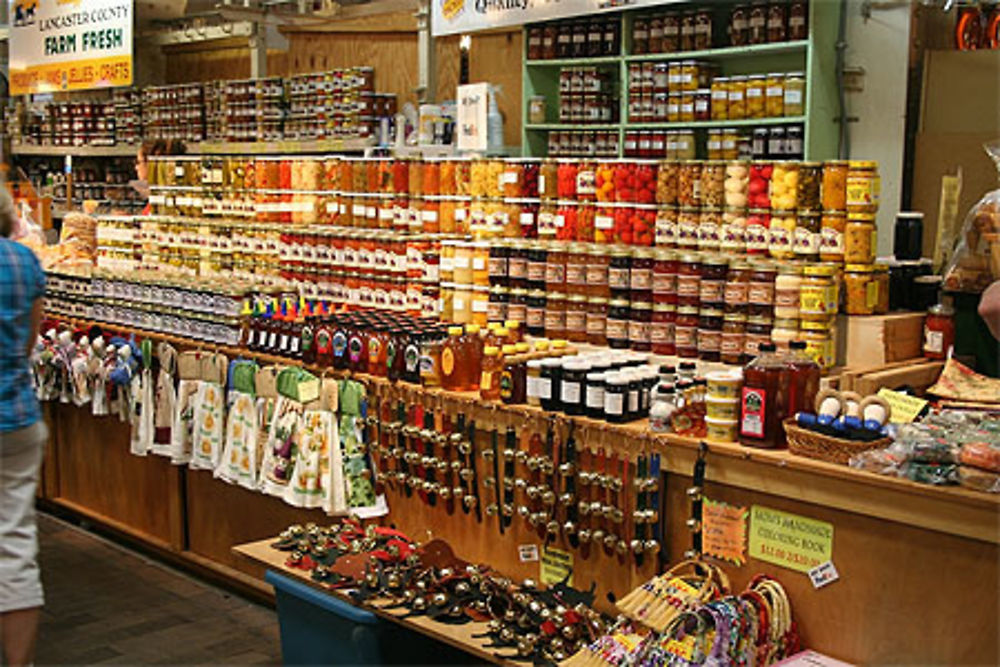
[(666, 255), (861, 217), (597, 300), (664, 308), (552, 362), (720, 79), (814, 325), (760, 211), (556, 295), (578, 298), (518, 291), (621, 251), (825, 269), (509, 349), (535, 363), (909, 215), (862, 164), (859, 268), (764, 76), (491, 350), (788, 269), (641, 305), (799, 75), (618, 303), (881, 268), (499, 289), (710, 312), (715, 260), (735, 317), (687, 310), (786, 323), (599, 376), (576, 365), (941, 309), (759, 319)]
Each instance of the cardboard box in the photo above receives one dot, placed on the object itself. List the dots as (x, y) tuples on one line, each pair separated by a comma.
[(883, 339)]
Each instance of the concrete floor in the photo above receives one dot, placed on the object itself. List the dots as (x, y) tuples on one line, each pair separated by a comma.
[(107, 604)]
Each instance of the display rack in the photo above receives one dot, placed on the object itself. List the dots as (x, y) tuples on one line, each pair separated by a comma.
[(815, 56)]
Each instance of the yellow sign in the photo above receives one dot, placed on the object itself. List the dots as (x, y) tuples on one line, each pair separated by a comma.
[(60, 45), (789, 540), (724, 531), (905, 409), (556, 565)]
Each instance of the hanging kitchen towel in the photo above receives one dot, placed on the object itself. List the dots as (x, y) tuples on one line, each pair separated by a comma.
[(358, 472), (182, 428), (164, 398), (238, 464), (336, 497), (267, 396), (282, 440), (142, 410), (309, 482), (81, 379), (209, 413), (99, 372)]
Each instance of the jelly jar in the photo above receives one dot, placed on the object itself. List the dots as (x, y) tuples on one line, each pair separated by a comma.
[(759, 186)]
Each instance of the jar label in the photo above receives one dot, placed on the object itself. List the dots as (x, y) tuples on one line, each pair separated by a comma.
[(831, 241), (786, 298), (687, 233), (517, 267), (933, 341), (555, 273), (806, 242), (604, 222), (685, 336), (536, 272), (544, 387), (570, 392), (496, 311), (793, 97), (614, 403), (597, 274), (664, 283), (641, 279), (661, 333), (555, 320), (531, 386), (753, 412), (779, 240), (576, 274), (712, 291), (546, 223), (535, 318), (517, 312), (708, 234), (732, 237), (618, 278), (576, 320), (709, 340), (527, 219), (688, 286), (596, 323), (447, 361), (666, 231), (818, 300), (731, 344), (617, 329), (497, 267), (595, 397), (586, 182), (638, 332)]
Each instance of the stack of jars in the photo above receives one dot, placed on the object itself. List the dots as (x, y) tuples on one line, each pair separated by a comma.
[(586, 95), (739, 97), (465, 284), (675, 92), (583, 144)]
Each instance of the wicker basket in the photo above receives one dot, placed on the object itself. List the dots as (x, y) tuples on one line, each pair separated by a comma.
[(824, 447)]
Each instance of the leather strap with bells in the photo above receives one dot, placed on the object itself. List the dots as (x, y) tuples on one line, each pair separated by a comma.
[(429, 460), (655, 518), (449, 490), (404, 455), (386, 475), (637, 545), (567, 495), (586, 482), (509, 456), (548, 526), (492, 457), (622, 514), (416, 445), (696, 494), (471, 499), (531, 493)]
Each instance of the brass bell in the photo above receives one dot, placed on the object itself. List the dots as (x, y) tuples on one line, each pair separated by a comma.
[(521, 456), (393, 580), (535, 607), (532, 463), (491, 510), (508, 455), (419, 603), (694, 492), (445, 572), (567, 468), (467, 474), (494, 625), (507, 634), (444, 492), (566, 499), (442, 466), (456, 465), (409, 594), (488, 454), (458, 493), (462, 588), (652, 546), (597, 536), (694, 525), (489, 482), (321, 572), (556, 644), (523, 511), (569, 632), (429, 487), (617, 516), (507, 509), (545, 614), (524, 649), (533, 492), (464, 448), (520, 483), (439, 600), (569, 528), (296, 557), (691, 554), (548, 497), (621, 547), (371, 580), (636, 546), (610, 540), (583, 535), (469, 501), (508, 483), (455, 438), (583, 508), (510, 616), (552, 527), (596, 508)]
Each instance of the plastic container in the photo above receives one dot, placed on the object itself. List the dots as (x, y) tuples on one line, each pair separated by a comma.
[(727, 409), (724, 385), (720, 430)]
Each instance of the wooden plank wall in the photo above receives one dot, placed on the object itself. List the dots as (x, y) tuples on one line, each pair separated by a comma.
[(494, 57)]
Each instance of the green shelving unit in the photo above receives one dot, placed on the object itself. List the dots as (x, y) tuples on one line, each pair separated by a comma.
[(815, 56)]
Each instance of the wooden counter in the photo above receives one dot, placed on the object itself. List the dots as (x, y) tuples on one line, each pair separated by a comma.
[(919, 565)]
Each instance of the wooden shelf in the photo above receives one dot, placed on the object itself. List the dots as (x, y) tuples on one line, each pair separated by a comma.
[(950, 510), (279, 147), (726, 52), (123, 150)]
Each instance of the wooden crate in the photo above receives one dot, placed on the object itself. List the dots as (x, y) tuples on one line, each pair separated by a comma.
[(882, 339)]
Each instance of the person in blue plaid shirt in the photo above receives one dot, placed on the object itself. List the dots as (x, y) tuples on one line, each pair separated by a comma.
[(22, 439)]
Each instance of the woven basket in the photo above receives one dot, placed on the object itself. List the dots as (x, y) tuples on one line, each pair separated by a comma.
[(824, 447)]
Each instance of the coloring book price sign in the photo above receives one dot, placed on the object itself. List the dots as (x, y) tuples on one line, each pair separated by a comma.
[(789, 540)]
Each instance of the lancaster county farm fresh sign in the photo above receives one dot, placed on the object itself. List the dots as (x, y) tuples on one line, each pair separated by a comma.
[(70, 45)]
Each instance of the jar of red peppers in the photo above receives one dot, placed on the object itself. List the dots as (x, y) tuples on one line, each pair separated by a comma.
[(527, 217), (625, 181), (939, 331), (604, 223), (759, 185), (567, 171), (585, 222), (643, 224), (566, 220), (645, 182), (622, 230), (661, 330)]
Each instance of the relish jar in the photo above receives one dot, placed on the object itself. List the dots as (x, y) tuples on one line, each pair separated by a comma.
[(689, 279), (661, 330), (860, 239), (835, 185), (806, 240), (774, 95), (819, 338), (709, 229), (617, 323), (686, 332), (787, 286), (597, 320), (640, 317), (862, 187), (709, 334), (882, 278), (861, 289), (818, 292), (688, 221), (731, 339), (666, 226), (810, 179), (756, 234), (781, 231)]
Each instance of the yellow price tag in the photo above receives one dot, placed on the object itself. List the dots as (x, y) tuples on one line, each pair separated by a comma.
[(905, 408)]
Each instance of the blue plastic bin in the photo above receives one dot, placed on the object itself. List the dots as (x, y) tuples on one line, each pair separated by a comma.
[(320, 629)]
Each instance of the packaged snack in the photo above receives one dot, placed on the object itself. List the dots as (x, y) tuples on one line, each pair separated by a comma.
[(984, 455), (980, 480), (975, 263)]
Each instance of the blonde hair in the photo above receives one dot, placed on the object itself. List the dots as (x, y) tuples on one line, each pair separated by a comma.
[(8, 214)]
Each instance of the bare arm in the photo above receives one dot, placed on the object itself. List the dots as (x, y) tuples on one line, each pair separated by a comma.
[(36, 323)]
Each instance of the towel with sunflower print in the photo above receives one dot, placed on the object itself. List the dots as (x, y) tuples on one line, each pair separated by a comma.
[(239, 463), (208, 418)]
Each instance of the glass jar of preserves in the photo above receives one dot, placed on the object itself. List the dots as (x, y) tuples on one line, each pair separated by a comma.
[(831, 244), (666, 227), (720, 98), (665, 265), (555, 268), (709, 334), (597, 320), (709, 229), (621, 232), (758, 330), (736, 184), (548, 179), (576, 268), (810, 179), (757, 23), (689, 183), (640, 35), (686, 332), (604, 223), (712, 183), (498, 300), (703, 104), (759, 185), (787, 287), (640, 317), (760, 291), (882, 278), (939, 331), (798, 20), (736, 293), (555, 315), (819, 338), (777, 22), (805, 243), (537, 260), (674, 107), (731, 339), (737, 109), (641, 275), (619, 272), (547, 225), (703, 29), (517, 306), (499, 254), (684, 144), (666, 183), (785, 186), (617, 323), (834, 187), (860, 239), (795, 94), (781, 232), (784, 331), (598, 262), (566, 179), (738, 29), (863, 187), (818, 292), (576, 318), (643, 224), (756, 87), (732, 235), (774, 95), (661, 330), (689, 279), (861, 289), (534, 315), (714, 272)]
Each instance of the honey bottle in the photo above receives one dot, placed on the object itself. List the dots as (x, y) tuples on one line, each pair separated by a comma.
[(472, 358), (451, 352), (489, 377)]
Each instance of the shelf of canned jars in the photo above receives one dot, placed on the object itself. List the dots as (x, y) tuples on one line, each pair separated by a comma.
[(683, 81)]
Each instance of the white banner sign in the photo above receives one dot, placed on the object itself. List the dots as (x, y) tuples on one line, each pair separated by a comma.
[(471, 120), (456, 16), (70, 44)]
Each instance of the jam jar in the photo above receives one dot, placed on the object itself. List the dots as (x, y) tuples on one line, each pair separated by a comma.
[(734, 327), (640, 317), (555, 315), (714, 271), (689, 183), (758, 330), (736, 294), (689, 279), (597, 320), (641, 274), (576, 318), (535, 313), (537, 260), (798, 20), (665, 264), (619, 272), (598, 263), (757, 232), (666, 226), (617, 323), (760, 293), (777, 22), (709, 334), (688, 223), (738, 29), (661, 331), (686, 332)]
